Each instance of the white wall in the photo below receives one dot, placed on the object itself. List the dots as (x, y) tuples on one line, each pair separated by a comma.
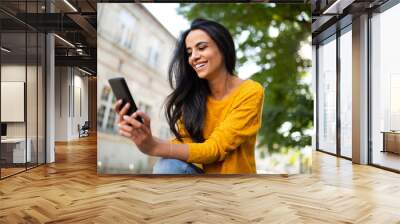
[(61, 103), (80, 104), (71, 93), (16, 73)]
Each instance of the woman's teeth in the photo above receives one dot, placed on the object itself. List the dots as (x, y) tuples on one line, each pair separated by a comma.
[(200, 65)]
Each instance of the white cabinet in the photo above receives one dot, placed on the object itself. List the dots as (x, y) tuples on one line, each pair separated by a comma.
[(18, 149)]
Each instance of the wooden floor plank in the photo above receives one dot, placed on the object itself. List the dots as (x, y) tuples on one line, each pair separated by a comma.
[(70, 191)]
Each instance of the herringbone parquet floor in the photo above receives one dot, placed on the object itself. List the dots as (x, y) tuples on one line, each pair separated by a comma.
[(70, 191)]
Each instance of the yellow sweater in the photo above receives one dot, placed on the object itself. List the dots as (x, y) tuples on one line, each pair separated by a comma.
[(231, 126)]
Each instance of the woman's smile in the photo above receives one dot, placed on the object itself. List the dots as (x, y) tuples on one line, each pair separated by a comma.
[(200, 66)]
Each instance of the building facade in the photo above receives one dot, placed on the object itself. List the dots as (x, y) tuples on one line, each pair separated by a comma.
[(134, 45)]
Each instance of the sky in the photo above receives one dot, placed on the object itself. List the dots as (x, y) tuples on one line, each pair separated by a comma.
[(169, 18)]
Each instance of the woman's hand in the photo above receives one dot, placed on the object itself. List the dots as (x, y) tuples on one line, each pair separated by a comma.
[(131, 128), (121, 111)]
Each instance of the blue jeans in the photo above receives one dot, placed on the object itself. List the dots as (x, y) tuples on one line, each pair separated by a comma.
[(175, 166)]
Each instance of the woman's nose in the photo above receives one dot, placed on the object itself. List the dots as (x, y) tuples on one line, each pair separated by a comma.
[(195, 55)]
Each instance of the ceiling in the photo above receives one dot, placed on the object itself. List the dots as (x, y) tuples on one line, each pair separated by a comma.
[(330, 15), (74, 22)]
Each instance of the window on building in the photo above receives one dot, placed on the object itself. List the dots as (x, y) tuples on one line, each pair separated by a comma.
[(113, 100), (153, 53), (106, 116), (126, 30), (111, 121), (100, 116), (105, 93)]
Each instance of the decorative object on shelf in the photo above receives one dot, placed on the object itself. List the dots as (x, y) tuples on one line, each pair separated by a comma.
[(391, 141)]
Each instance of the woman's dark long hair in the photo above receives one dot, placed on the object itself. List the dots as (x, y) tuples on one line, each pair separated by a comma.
[(187, 102)]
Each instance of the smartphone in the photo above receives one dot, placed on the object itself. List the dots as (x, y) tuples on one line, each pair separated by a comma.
[(121, 91)]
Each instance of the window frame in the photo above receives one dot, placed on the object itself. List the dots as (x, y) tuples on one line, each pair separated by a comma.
[(347, 27), (379, 10)]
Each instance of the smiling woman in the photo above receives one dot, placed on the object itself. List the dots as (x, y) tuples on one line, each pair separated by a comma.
[(214, 115)]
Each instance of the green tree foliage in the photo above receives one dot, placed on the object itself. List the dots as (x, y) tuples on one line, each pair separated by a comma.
[(271, 35)]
